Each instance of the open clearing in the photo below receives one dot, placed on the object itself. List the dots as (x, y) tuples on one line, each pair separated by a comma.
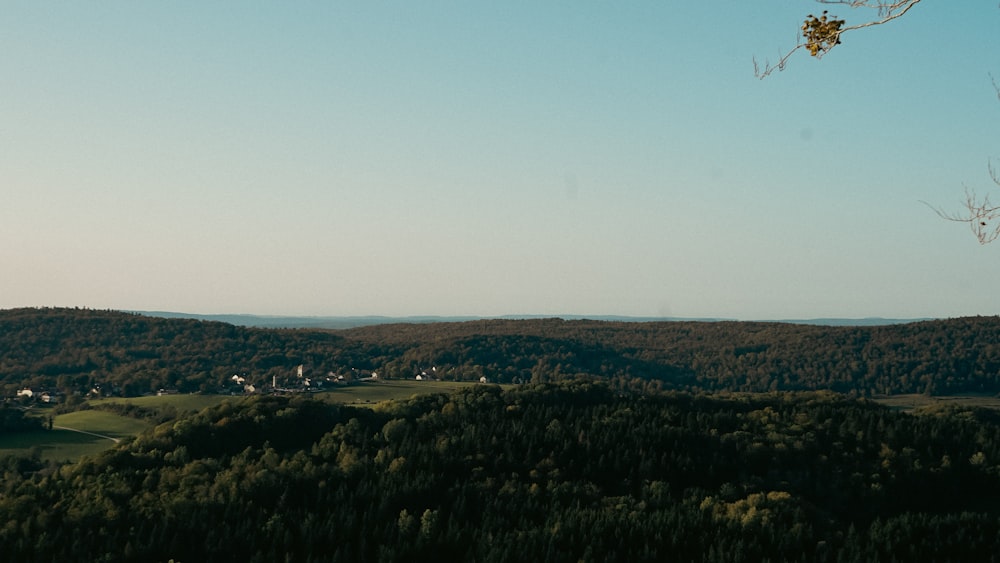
[(917, 401), (56, 445), (102, 423), (74, 435), (387, 390), (183, 403)]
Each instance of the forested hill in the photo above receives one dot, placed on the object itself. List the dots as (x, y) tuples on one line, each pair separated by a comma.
[(938, 357), (568, 472), (76, 349)]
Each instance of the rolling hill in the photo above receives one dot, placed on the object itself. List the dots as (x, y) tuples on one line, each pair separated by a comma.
[(76, 350)]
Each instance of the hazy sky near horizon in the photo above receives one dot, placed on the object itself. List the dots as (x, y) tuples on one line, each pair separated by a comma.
[(491, 158)]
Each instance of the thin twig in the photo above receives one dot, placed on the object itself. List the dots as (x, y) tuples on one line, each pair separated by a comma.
[(981, 214)]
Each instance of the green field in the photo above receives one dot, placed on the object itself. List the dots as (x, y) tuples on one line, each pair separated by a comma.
[(183, 403), (917, 401), (57, 445), (101, 422), (74, 435), (388, 390)]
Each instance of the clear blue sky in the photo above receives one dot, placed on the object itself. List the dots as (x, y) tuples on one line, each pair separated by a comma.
[(490, 158)]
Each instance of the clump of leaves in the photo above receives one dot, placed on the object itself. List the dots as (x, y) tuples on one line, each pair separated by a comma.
[(821, 33)]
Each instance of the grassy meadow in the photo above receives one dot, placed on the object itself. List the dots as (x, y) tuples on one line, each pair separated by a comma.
[(183, 403), (101, 422), (388, 390), (56, 445), (74, 435), (915, 401)]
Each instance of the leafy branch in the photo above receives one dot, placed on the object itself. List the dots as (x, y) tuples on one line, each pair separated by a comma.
[(821, 34)]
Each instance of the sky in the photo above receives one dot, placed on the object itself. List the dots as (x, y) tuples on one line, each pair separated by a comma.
[(494, 158)]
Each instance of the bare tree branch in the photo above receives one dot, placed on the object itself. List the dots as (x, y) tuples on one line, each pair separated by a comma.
[(821, 34), (981, 214)]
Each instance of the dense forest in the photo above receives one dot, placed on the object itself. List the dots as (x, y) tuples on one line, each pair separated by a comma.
[(574, 471), (76, 350)]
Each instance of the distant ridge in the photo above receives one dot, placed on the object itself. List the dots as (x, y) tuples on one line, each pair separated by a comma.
[(318, 322), (867, 321), (277, 321)]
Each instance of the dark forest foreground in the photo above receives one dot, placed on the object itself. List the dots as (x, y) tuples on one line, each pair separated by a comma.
[(568, 472)]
